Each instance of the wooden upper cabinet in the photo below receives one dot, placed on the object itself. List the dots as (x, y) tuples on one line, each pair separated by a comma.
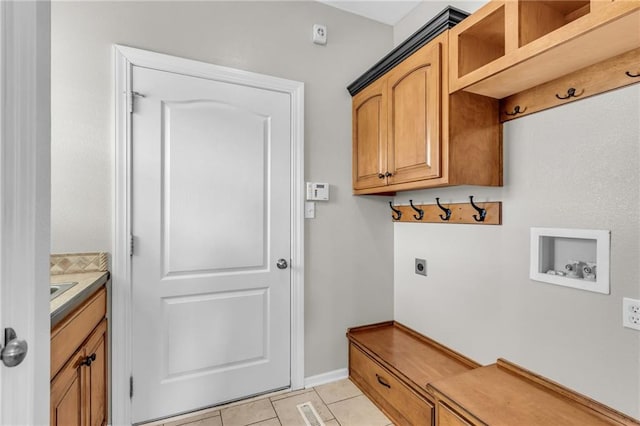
[(414, 91), (370, 136), (509, 46), (409, 133)]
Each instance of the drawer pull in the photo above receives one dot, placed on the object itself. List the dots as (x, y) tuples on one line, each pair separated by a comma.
[(383, 382)]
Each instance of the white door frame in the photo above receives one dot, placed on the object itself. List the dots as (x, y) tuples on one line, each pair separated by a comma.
[(25, 141), (124, 59)]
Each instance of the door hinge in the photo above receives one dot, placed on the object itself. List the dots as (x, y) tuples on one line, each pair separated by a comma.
[(132, 96), (130, 387), (131, 239)]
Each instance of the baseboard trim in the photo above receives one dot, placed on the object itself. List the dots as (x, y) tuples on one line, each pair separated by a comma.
[(324, 378)]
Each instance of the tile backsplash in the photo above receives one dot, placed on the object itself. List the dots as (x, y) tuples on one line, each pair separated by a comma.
[(72, 263)]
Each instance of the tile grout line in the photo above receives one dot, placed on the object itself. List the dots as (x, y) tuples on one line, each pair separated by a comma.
[(265, 420), (346, 399), (321, 399), (331, 411), (275, 411), (333, 416)]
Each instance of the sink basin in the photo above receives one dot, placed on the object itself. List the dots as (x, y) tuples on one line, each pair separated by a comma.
[(57, 289)]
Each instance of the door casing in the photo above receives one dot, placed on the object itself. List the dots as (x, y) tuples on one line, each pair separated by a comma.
[(124, 58)]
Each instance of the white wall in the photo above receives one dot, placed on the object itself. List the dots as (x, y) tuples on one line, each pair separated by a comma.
[(348, 246), (574, 166)]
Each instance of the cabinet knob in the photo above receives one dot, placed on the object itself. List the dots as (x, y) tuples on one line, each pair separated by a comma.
[(388, 174), (380, 176), (88, 360)]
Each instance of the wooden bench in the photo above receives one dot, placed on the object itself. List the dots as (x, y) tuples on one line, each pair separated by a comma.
[(392, 365)]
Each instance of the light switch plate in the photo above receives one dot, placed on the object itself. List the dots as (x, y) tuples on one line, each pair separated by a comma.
[(309, 210)]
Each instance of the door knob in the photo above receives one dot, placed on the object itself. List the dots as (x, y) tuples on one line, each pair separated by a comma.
[(14, 351), (282, 264)]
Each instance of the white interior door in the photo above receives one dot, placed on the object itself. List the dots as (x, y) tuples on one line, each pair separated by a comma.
[(211, 172), (25, 140)]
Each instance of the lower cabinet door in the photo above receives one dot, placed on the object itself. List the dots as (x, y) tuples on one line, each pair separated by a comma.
[(67, 395), (96, 375)]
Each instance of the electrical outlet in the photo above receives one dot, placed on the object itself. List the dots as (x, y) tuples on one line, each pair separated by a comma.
[(631, 313), (421, 267)]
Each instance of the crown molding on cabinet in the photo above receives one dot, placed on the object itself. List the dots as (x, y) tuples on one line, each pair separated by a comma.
[(445, 20)]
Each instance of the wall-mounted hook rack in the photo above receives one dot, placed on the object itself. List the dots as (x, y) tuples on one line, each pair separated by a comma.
[(461, 213), (613, 73)]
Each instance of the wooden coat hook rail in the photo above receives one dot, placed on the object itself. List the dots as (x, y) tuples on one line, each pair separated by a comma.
[(489, 213)]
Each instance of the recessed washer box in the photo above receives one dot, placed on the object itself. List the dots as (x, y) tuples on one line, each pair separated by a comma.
[(577, 258)]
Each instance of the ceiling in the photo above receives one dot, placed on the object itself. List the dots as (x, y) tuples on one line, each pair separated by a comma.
[(385, 11)]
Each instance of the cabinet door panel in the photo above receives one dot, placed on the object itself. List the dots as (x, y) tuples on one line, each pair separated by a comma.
[(414, 144), (96, 386), (369, 137), (66, 394)]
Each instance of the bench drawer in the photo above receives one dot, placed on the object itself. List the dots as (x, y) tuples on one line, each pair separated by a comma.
[(396, 399)]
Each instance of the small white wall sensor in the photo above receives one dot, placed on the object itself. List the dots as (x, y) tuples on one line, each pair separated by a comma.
[(320, 34), (317, 191)]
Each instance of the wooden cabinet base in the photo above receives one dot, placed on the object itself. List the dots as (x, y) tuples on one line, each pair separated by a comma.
[(79, 366)]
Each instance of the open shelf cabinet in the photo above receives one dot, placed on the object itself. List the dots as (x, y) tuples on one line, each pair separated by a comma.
[(508, 46)]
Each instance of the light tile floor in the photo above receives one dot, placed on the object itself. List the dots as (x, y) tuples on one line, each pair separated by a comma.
[(338, 404)]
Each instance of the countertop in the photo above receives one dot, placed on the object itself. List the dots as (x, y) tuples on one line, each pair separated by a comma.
[(88, 283)]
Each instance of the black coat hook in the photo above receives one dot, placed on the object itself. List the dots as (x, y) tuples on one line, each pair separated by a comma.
[(480, 210), (398, 213), (632, 75), (516, 110), (420, 212), (446, 211), (571, 93)]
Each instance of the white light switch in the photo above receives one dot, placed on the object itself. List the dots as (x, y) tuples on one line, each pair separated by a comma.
[(309, 210)]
